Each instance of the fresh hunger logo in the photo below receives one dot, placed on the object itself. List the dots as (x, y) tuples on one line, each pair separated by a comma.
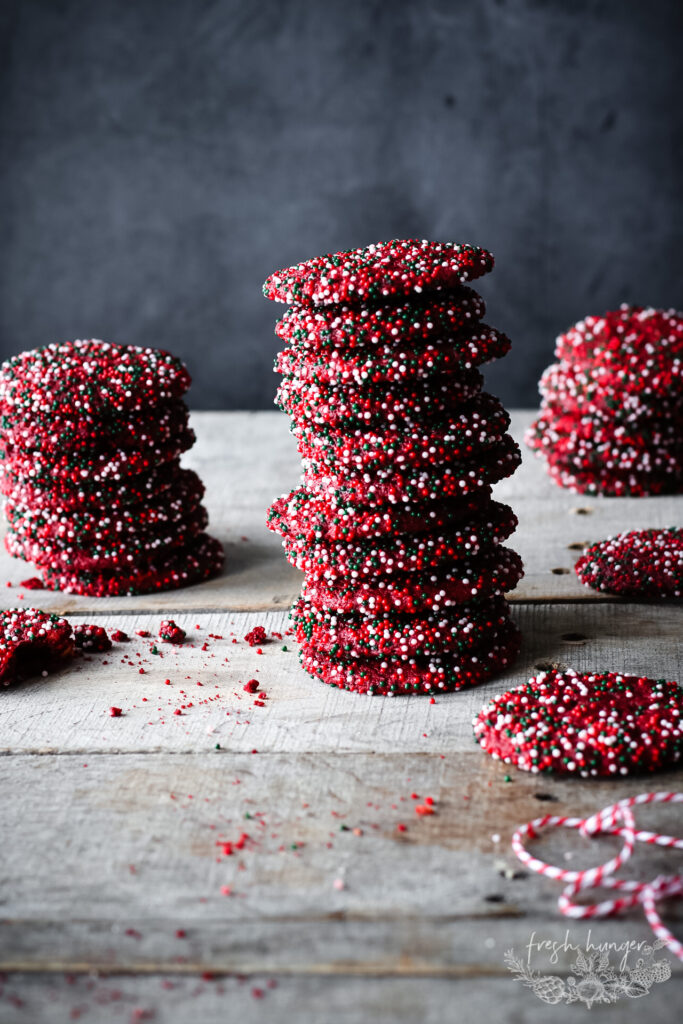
[(594, 978)]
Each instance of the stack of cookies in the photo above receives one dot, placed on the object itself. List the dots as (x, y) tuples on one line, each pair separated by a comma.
[(90, 440), (394, 525), (612, 409)]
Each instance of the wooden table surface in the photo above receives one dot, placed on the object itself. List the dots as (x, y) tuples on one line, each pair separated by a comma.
[(120, 900)]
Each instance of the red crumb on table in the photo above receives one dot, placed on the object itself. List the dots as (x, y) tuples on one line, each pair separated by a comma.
[(257, 636), (252, 686), (115, 712), (92, 639), (33, 583), (171, 633), (119, 637)]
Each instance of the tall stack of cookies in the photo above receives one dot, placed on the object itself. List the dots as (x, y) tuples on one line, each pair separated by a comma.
[(612, 409), (394, 524), (90, 440)]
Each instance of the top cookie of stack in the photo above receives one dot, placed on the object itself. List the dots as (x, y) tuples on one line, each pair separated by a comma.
[(612, 409), (90, 440), (394, 525)]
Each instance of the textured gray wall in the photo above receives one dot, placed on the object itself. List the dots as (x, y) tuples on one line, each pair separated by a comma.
[(161, 157)]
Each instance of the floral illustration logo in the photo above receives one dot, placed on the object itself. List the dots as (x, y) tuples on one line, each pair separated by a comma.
[(594, 980)]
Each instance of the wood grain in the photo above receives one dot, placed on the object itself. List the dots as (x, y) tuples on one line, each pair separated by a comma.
[(136, 853), (69, 711), (168, 999)]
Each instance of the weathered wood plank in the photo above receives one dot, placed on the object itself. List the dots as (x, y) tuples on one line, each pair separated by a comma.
[(310, 1000), (69, 711), (247, 459), (104, 860)]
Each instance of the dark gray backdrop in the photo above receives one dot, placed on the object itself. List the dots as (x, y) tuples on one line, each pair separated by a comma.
[(161, 157)]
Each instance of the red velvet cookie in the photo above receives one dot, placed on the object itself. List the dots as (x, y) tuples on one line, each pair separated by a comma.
[(310, 517), (123, 431), (90, 467), (410, 593), (553, 424), (407, 402), (350, 327), (201, 559), (640, 563), (377, 272), (456, 630), (608, 389), (86, 528), (91, 378), (588, 724), (612, 483), (391, 676), (641, 456), (397, 362), (31, 642), (466, 434), (405, 553), (111, 554), (645, 341), (113, 494), (395, 485)]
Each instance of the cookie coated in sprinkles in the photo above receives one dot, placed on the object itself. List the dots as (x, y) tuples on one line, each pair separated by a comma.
[(639, 563), (376, 272), (32, 641), (392, 676), (92, 377), (585, 724), (351, 327)]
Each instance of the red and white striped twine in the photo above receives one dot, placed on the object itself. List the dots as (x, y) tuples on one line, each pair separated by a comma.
[(617, 820)]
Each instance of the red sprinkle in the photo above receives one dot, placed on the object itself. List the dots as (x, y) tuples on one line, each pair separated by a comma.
[(33, 583)]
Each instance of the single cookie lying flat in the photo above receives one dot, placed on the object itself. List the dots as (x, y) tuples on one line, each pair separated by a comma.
[(640, 563), (588, 724)]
